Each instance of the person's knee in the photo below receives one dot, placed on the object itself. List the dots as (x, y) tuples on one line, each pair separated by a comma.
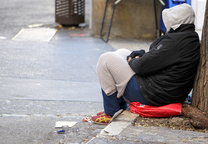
[(123, 51), (104, 58), (109, 56), (103, 61)]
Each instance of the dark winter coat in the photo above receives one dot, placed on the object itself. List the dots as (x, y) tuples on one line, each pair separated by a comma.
[(166, 73)]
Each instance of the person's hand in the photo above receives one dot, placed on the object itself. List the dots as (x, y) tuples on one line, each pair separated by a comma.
[(139, 53), (129, 59)]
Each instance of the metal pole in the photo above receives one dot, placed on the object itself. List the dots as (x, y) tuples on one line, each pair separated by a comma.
[(101, 32), (114, 7), (156, 24), (103, 19)]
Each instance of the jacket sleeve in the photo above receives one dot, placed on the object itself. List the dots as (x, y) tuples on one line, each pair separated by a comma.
[(161, 56)]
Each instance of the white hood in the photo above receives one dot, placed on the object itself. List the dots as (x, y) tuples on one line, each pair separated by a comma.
[(177, 15)]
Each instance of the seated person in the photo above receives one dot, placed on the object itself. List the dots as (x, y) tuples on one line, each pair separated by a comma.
[(162, 76)]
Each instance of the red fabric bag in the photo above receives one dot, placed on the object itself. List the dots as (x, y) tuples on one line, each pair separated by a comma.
[(154, 111)]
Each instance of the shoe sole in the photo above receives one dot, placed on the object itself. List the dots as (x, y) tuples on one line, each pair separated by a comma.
[(116, 115)]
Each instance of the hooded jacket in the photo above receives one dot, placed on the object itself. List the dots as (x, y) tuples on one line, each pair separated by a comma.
[(175, 16), (166, 73)]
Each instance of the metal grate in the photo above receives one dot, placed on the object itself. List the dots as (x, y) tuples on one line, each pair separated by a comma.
[(77, 7), (62, 8), (70, 11)]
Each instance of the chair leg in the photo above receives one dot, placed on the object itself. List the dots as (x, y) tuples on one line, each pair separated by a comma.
[(101, 32), (157, 33)]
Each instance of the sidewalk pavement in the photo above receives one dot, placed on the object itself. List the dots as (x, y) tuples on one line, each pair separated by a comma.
[(122, 129), (40, 84)]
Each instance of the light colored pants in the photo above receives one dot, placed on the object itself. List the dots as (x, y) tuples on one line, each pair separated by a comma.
[(114, 71)]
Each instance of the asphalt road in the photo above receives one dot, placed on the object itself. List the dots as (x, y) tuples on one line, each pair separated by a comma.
[(44, 82)]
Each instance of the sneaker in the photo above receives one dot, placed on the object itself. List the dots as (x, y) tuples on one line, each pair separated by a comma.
[(101, 113), (101, 119)]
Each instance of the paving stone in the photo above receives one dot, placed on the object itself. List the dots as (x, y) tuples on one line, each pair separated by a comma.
[(162, 135)]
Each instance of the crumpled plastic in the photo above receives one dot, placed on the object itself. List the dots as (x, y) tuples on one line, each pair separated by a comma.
[(169, 110)]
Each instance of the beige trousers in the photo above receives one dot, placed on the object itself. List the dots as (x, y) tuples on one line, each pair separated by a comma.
[(114, 71)]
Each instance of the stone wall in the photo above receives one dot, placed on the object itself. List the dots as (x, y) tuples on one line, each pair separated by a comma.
[(133, 19)]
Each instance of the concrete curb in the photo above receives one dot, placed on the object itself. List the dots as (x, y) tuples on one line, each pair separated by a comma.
[(120, 123), (121, 130), (115, 127)]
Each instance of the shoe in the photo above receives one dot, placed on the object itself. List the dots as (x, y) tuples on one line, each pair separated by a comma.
[(101, 113), (101, 119)]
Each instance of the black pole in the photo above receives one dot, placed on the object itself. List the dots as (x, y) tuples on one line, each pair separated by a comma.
[(114, 7), (101, 32), (103, 19), (156, 25)]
